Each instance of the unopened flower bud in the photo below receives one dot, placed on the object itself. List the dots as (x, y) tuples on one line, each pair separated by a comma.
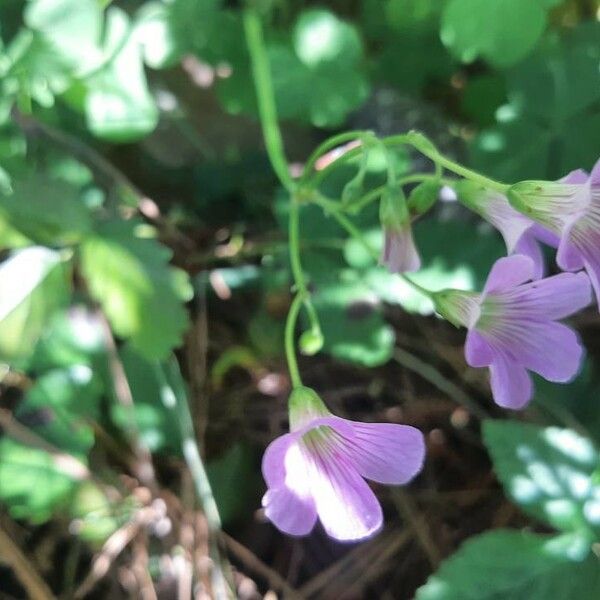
[(311, 341), (423, 196)]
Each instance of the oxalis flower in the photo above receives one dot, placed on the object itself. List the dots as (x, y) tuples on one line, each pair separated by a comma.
[(513, 326), (521, 235), (399, 254), (571, 209), (318, 469)]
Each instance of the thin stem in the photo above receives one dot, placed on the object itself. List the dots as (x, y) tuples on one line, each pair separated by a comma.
[(441, 161), (290, 348), (327, 145), (266, 97), (357, 235)]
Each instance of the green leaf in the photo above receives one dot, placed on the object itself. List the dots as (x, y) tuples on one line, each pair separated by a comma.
[(73, 27), (320, 37), (118, 104), (352, 322), (160, 48), (35, 285), (234, 482), (60, 406), (48, 211), (547, 471), (141, 294), (500, 31), (33, 484), (521, 566), (153, 402)]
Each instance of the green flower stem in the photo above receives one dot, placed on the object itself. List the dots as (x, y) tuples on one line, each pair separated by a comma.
[(266, 98), (427, 149), (346, 224), (375, 193), (327, 145), (290, 348), (274, 143)]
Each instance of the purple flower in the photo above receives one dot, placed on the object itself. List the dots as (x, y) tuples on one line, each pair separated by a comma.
[(513, 327), (570, 208), (318, 470), (400, 254), (399, 251), (521, 235)]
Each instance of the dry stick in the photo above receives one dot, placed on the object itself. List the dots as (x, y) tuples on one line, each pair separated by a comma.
[(35, 586), (67, 464), (144, 469), (252, 562), (375, 565), (416, 522), (431, 374), (364, 553)]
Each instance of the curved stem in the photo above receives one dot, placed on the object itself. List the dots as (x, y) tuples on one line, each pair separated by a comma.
[(266, 98), (327, 145), (290, 348)]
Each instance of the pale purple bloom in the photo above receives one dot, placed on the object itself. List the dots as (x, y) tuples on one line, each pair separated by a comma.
[(580, 241), (521, 235), (569, 208), (399, 253), (513, 327), (318, 469)]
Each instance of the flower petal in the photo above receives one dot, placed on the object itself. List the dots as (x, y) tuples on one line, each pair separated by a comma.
[(478, 351), (508, 272), (400, 254), (347, 507), (385, 452), (577, 176), (511, 384), (551, 349), (551, 298), (288, 503), (288, 512), (568, 257), (528, 246)]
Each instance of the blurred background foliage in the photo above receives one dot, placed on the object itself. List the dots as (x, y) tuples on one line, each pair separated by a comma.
[(144, 269)]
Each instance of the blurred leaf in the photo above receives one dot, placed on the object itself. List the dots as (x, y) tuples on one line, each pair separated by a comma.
[(141, 294), (35, 285), (483, 95), (192, 23), (118, 104), (48, 211), (500, 31), (153, 401), (73, 27), (60, 407), (320, 37), (549, 127), (517, 565), (71, 338), (152, 30), (547, 471), (235, 482), (33, 485)]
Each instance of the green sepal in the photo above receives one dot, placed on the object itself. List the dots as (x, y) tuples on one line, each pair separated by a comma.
[(393, 209), (423, 197), (305, 405)]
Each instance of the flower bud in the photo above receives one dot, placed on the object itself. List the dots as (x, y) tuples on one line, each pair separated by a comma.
[(311, 341), (423, 196), (393, 211), (304, 405)]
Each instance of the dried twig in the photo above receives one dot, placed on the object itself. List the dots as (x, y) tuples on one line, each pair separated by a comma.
[(416, 522), (252, 562), (10, 553)]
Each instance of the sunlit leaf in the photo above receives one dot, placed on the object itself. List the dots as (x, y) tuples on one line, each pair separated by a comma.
[(516, 565), (141, 294), (547, 471), (35, 285)]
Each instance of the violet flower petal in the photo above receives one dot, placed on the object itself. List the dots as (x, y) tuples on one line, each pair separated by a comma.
[(511, 383), (385, 452), (400, 255), (509, 272), (478, 351)]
